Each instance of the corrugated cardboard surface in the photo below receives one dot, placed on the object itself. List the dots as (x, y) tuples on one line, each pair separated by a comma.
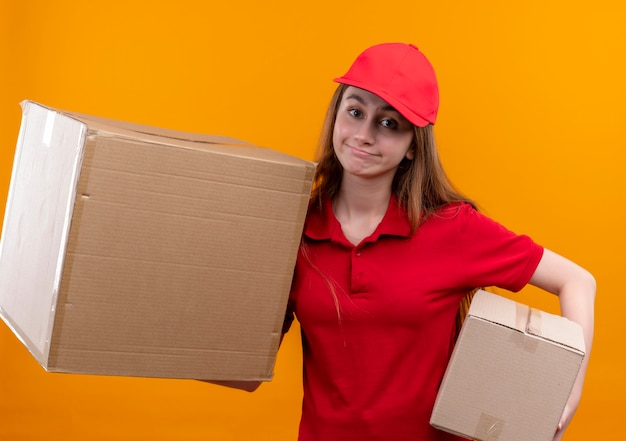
[(511, 372), (175, 254)]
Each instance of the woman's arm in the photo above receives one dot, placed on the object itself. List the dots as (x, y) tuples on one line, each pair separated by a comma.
[(576, 289)]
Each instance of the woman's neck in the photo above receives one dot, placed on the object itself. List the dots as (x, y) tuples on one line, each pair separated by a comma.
[(360, 206)]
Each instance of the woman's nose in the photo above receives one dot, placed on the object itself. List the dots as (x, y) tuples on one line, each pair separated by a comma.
[(365, 133)]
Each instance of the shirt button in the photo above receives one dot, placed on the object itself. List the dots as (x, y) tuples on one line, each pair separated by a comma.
[(358, 253)]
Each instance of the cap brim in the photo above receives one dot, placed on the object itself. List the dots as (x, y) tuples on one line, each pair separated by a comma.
[(413, 117)]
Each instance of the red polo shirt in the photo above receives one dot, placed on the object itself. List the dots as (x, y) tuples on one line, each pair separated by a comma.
[(378, 319)]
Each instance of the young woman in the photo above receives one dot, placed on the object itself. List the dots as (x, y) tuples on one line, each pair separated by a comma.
[(388, 252)]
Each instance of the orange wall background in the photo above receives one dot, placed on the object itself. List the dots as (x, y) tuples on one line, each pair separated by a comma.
[(532, 126)]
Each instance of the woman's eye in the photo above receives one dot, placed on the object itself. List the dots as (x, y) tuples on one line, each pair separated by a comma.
[(389, 124), (355, 113)]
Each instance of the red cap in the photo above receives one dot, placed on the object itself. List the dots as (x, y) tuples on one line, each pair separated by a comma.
[(401, 75)]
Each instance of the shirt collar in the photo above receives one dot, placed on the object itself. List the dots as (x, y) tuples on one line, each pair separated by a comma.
[(322, 224)]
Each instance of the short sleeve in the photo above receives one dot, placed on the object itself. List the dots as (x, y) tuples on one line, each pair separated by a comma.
[(494, 255)]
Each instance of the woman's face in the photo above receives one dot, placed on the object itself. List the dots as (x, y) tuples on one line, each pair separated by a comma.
[(370, 138)]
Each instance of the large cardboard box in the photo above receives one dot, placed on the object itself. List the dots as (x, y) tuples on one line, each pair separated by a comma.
[(135, 251), (511, 372)]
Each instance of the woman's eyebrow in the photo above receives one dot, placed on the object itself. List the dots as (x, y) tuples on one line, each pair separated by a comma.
[(356, 97), (362, 101)]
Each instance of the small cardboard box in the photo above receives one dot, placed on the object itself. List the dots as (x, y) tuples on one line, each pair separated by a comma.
[(135, 251), (511, 372)]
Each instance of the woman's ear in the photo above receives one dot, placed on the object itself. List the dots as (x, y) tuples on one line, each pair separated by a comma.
[(410, 153)]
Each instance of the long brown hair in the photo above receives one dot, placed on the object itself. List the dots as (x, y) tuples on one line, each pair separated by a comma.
[(421, 184)]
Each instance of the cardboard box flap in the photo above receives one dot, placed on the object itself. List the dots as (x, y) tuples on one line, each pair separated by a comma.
[(218, 144), (116, 126), (212, 143), (556, 329), (496, 309), (506, 312)]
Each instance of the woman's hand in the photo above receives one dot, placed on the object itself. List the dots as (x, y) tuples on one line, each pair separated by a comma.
[(248, 386)]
